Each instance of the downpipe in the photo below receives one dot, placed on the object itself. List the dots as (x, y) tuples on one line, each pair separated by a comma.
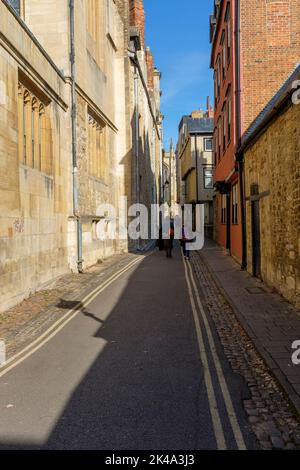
[(79, 261)]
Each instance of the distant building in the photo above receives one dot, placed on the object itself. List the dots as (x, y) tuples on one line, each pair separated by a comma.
[(170, 176), (195, 157), (270, 149), (254, 46)]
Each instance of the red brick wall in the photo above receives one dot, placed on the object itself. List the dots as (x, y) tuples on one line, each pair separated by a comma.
[(150, 68), (137, 18), (270, 47)]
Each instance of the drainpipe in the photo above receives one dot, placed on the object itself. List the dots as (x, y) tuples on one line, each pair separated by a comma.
[(238, 134), (197, 175), (132, 56), (74, 138), (137, 143)]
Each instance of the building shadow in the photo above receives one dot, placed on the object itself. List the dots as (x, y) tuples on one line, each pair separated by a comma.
[(145, 389)]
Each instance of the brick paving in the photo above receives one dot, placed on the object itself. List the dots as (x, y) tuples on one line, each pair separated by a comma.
[(25, 322), (256, 328)]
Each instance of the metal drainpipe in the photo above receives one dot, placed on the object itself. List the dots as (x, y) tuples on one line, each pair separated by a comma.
[(74, 137), (238, 130), (197, 181), (137, 143)]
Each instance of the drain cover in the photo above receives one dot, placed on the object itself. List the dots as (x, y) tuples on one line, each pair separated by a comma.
[(255, 290)]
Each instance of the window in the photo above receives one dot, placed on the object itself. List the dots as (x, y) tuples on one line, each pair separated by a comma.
[(215, 145), (219, 138), (35, 134), (223, 209), (224, 126), (218, 76), (223, 44), (235, 204), (228, 32), (229, 115), (18, 6), (216, 87), (223, 61), (208, 145), (208, 178), (96, 147)]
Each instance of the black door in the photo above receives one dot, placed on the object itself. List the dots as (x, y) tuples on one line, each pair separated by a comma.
[(255, 224)]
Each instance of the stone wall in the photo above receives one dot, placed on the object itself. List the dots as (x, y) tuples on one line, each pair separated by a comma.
[(33, 204), (273, 163)]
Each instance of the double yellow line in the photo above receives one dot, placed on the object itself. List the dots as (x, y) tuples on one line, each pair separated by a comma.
[(199, 312), (63, 321)]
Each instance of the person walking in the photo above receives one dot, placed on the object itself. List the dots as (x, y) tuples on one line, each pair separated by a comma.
[(169, 242), (185, 239)]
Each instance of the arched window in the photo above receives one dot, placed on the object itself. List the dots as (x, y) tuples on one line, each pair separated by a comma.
[(35, 132), (40, 131), (26, 126)]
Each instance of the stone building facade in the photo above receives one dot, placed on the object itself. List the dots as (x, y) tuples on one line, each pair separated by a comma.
[(35, 182), (68, 108), (195, 154), (170, 176), (271, 152)]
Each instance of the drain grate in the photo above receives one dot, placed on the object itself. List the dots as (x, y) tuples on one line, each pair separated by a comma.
[(255, 290)]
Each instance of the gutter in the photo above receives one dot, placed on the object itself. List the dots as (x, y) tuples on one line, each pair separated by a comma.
[(74, 138)]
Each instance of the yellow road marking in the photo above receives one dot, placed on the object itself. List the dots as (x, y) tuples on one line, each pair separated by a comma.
[(223, 385), (62, 322), (216, 421)]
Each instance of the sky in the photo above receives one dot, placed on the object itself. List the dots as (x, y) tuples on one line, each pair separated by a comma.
[(177, 32)]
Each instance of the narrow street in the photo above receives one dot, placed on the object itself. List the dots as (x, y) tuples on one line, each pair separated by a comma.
[(140, 368)]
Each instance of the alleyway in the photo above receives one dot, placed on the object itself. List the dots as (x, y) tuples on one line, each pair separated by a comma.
[(130, 371)]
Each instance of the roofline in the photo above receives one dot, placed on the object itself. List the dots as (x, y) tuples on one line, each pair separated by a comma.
[(213, 41), (272, 110)]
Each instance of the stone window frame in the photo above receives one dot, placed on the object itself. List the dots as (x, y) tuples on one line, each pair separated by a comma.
[(34, 130)]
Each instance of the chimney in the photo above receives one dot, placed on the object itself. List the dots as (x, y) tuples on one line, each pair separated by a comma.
[(150, 68), (137, 18), (209, 108)]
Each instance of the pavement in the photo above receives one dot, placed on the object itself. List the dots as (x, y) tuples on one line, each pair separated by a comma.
[(138, 365), (271, 322)]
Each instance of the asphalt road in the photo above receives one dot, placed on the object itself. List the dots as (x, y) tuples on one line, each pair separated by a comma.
[(134, 370)]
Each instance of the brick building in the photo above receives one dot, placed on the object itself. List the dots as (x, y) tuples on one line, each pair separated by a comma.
[(271, 153), (255, 44)]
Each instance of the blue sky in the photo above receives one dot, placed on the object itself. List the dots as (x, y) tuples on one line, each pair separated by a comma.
[(178, 33)]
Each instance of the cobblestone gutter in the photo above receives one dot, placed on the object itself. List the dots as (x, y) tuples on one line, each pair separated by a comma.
[(270, 414)]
